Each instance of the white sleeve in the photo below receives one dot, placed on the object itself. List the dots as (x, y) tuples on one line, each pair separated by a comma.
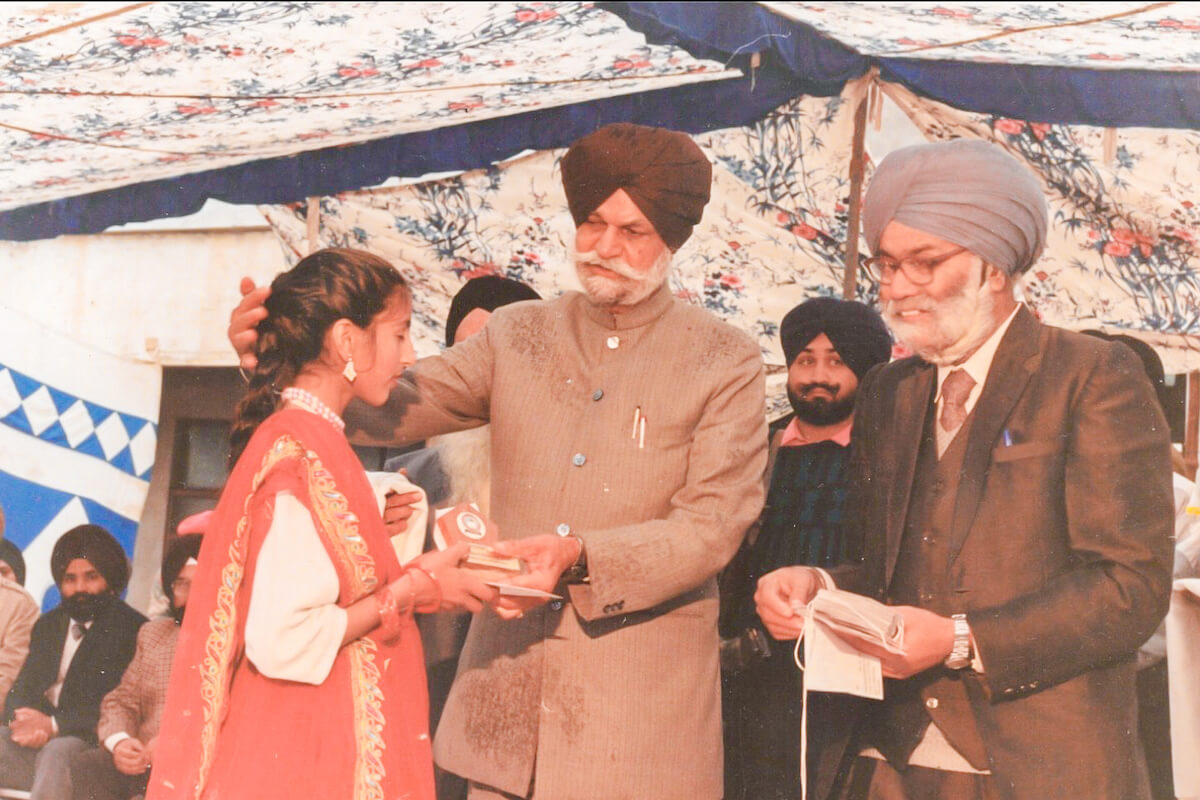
[(409, 544), (294, 627)]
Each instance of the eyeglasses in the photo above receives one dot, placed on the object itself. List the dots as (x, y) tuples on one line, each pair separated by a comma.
[(919, 271)]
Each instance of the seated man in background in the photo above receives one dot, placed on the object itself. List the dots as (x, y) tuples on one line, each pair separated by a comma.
[(829, 345), (18, 612), (77, 653), (130, 714)]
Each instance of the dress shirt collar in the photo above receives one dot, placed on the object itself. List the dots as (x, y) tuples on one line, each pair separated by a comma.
[(794, 437), (979, 362), (636, 316)]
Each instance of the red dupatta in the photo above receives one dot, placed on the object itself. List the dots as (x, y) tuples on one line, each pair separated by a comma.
[(228, 730)]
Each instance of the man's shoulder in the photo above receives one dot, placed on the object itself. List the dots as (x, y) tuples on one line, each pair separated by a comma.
[(709, 332), (121, 616), (894, 372), (553, 307), (15, 596), (157, 632)]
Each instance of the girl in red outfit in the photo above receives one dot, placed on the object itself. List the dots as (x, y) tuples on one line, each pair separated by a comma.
[(299, 670)]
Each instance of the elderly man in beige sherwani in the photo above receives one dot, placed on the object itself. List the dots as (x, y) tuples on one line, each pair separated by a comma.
[(628, 441)]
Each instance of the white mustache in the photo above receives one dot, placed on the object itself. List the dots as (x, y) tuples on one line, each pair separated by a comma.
[(893, 307), (616, 265)]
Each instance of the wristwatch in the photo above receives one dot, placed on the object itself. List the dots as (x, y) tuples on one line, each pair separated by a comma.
[(577, 572), (960, 653)]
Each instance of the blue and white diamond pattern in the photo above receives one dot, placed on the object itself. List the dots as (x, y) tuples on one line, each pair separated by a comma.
[(123, 440)]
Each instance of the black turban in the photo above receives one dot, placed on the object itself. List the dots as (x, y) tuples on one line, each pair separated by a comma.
[(11, 554), (98, 546), (178, 553), (856, 331), (664, 172), (489, 293)]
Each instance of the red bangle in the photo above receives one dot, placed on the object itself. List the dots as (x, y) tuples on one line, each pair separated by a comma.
[(436, 604), (389, 612)]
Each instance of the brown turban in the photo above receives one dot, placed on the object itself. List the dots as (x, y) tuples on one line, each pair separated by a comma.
[(664, 172), (969, 192)]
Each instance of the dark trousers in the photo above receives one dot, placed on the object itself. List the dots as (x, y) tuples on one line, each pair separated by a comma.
[(873, 779), (93, 777), (1154, 728), (761, 710)]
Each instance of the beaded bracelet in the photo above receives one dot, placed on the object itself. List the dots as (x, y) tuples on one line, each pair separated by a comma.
[(436, 604)]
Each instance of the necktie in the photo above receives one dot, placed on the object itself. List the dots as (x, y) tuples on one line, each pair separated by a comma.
[(77, 630), (955, 391)]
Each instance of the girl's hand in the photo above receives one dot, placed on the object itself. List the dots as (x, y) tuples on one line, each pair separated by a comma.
[(457, 587)]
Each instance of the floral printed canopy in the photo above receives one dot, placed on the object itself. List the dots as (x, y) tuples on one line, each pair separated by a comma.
[(102, 95)]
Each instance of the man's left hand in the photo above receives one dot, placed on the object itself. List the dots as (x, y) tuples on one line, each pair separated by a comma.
[(548, 557), (397, 510), (928, 640), (31, 728)]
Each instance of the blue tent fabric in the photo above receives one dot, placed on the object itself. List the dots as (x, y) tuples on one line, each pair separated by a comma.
[(1058, 95), (1104, 97), (730, 32)]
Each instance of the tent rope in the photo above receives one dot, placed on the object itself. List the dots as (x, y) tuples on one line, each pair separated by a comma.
[(80, 23)]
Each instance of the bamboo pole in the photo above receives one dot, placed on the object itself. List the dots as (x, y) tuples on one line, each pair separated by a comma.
[(313, 219), (850, 276), (1191, 435)]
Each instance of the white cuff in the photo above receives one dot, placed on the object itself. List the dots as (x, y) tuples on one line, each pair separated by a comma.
[(826, 579), (976, 659), (115, 739)]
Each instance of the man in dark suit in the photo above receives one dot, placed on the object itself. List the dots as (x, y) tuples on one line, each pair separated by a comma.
[(77, 653), (1012, 496)]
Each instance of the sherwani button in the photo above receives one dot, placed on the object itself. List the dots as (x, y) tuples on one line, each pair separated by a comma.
[(932, 702), (596, 395), (556, 605), (563, 529), (613, 342), (579, 459)]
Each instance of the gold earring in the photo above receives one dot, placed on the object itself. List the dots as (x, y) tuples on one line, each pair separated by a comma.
[(348, 372)]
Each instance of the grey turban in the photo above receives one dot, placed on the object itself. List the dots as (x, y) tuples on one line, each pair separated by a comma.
[(966, 191)]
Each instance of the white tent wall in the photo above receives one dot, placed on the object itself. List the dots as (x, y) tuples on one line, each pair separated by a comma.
[(158, 297)]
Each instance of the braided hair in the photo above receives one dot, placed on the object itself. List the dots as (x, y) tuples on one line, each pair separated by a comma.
[(325, 286)]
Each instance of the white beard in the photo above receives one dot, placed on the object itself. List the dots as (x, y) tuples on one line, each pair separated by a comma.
[(635, 287), (467, 461), (961, 324)]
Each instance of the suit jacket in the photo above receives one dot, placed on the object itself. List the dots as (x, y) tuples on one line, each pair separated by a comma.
[(616, 693), (18, 612), (1060, 550), (103, 654), (135, 707)]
